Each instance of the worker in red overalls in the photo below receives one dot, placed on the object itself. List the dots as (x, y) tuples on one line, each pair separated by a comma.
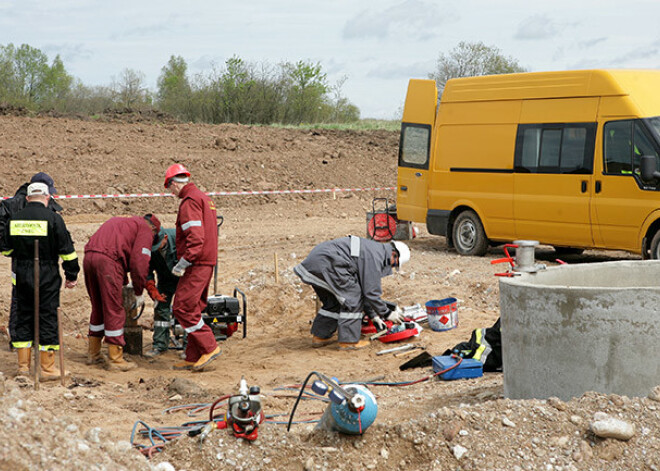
[(121, 245), (197, 249)]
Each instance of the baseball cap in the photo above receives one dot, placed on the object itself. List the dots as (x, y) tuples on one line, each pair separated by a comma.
[(37, 189), (42, 177)]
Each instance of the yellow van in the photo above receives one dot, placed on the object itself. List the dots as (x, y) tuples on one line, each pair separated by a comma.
[(548, 156)]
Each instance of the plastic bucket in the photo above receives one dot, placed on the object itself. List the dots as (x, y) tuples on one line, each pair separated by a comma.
[(442, 314)]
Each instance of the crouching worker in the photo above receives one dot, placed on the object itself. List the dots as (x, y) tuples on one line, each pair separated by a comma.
[(346, 276), (121, 245), (37, 222), (163, 260)]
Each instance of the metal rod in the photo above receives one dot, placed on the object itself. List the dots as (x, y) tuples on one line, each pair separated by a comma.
[(37, 365), (60, 338), (397, 349)]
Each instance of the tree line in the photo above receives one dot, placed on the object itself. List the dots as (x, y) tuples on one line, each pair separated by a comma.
[(237, 92)]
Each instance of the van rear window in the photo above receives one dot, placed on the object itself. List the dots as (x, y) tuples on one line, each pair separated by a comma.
[(415, 145), (555, 148)]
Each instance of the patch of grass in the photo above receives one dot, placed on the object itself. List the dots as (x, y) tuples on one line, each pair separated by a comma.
[(362, 125)]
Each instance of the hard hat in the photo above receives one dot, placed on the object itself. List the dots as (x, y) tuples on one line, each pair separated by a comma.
[(173, 171), (403, 250)]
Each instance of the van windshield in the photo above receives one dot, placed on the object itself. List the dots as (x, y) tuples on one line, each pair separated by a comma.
[(654, 126)]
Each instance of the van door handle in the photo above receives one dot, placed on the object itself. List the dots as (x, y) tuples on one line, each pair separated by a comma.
[(417, 174), (584, 186), (404, 188), (598, 186)]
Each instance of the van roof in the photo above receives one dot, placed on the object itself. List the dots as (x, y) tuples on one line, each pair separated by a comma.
[(562, 84)]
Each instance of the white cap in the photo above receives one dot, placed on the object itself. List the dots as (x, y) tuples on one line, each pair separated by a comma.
[(404, 252), (37, 189)]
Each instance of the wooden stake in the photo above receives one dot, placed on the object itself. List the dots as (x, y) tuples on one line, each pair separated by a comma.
[(60, 338), (277, 271), (37, 364)]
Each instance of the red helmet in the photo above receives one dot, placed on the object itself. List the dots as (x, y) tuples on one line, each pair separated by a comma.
[(173, 171)]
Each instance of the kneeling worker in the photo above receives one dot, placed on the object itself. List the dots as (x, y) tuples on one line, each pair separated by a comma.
[(37, 222), (346, 276)]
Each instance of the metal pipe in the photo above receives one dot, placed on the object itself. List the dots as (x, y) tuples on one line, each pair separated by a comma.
[(37, 365)]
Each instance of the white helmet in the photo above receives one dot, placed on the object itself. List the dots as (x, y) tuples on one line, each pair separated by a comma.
[(403, 250)]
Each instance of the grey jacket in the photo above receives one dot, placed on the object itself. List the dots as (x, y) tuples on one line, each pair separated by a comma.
[(355, 280)]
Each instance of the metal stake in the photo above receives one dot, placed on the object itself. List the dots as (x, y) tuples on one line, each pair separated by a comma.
[(37, 365)]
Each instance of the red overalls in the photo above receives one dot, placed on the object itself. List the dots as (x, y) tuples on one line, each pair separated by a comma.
[(197, 242)]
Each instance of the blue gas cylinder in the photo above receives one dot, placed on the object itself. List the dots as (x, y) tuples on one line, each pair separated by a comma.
[(340, 418)]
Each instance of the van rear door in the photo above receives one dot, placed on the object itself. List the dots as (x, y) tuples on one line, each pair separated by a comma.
[(414, 150)]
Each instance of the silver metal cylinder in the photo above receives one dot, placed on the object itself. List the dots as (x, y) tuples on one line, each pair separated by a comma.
[(525, 256)]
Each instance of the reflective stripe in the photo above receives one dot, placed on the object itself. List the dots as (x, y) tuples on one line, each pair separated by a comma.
[(13, 278), (484, 347), (146, 252), (161, 324), (46, 348), (355, 246), (114, 333), (96, 328), (195, 328), (69, 257), (190, 224), (7, 253), (351, 315), (22, 344), (330, 314), (28, 228)]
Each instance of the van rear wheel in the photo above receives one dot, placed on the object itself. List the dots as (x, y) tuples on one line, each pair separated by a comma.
[(468, 234), (654, 250)]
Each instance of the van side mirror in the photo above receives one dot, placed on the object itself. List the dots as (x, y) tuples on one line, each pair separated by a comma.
[(648, 170)]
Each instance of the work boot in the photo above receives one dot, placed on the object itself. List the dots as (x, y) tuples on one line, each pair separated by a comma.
[(183, 365), (117, 362), (320, 342), (353, 346), (205, 359), (24, 355), (154, 352), (49, 372), (94, 355)]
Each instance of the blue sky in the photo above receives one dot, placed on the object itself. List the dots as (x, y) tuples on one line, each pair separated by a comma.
[(377, 45)]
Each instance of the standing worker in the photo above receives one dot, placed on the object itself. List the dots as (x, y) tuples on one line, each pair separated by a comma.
[(346, 276), (121, 245), (197, 249), (36, 222), (10, 207), (163, 260)]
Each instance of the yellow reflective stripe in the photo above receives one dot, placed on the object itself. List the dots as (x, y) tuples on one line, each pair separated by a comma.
[(22, 344), (482, 347), (7, 253), (46, 348), (28, 228), (71, 256)]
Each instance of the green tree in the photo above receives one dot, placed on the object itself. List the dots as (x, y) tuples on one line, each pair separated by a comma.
[(57, 86), (472, 59), (174, 92), (130, 91), (306, 91)]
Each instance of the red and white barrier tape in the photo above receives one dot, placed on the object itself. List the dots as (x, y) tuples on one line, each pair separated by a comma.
[(218, 193)]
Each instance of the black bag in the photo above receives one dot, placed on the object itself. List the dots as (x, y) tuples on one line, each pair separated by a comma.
[(484, 345)]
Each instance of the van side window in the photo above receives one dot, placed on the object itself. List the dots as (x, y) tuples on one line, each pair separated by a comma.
[(617, 136), (415, 145), (555, 148)]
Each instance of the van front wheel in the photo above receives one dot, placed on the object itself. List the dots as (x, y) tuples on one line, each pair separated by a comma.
[(655, 247), (468, 234)]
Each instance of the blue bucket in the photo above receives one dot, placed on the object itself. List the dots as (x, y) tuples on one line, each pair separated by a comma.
[(442, 314)]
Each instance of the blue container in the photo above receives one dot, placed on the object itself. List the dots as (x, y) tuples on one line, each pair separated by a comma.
[(442, 314), (469, 367)]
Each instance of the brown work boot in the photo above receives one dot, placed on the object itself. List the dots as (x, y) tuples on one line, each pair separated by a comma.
[(117, 362), (94, 355), (183, 365), (49, 372), (320, 342), (205, 359), (353, 346), (24, 355)]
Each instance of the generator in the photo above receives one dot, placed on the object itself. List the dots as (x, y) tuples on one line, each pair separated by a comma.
[(224, 313)]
